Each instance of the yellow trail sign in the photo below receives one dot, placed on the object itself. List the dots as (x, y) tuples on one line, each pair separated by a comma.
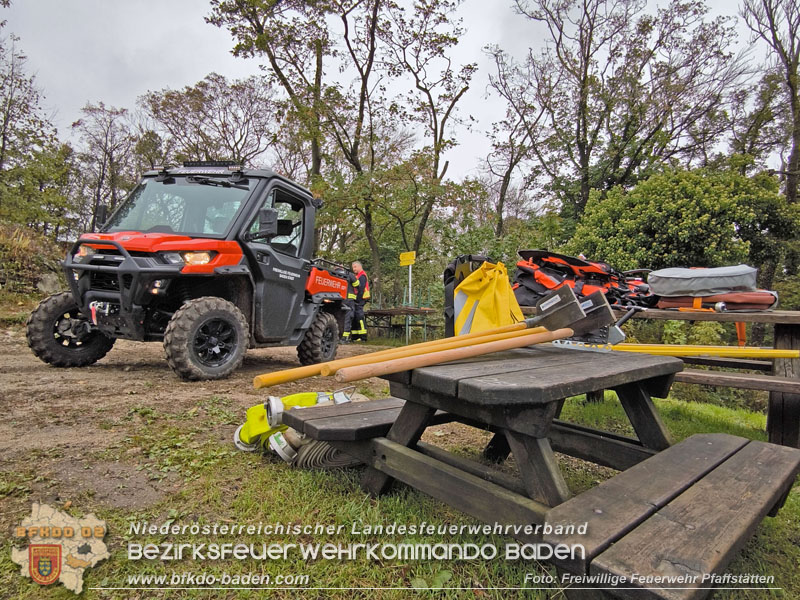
[(408, 258)]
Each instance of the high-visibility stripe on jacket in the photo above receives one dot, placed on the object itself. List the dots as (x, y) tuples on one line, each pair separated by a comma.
[(361, 286), (351, 283)]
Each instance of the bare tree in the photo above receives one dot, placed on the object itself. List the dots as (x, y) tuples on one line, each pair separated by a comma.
[(617, 90), (510, 146), (777, 22), (346, 111), (293, 35), (216, 118), (106, 153), (419, 46)]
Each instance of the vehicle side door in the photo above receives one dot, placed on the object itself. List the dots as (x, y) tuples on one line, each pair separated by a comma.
[(282, 264)]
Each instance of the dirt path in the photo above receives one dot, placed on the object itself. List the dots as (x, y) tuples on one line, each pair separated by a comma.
[(67, 432)]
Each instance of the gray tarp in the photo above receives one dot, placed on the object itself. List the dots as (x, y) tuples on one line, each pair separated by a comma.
[(702, 282)]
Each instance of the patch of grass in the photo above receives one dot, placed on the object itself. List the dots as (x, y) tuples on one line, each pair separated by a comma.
[(219, 485), (15, 308), (147, 414), (15, 484), (214, 411), (682, 418), (253, 489), (177, 450)]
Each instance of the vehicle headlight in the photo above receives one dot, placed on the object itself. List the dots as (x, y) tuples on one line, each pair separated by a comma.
[(196, 258), (173, 258), (188, 257)]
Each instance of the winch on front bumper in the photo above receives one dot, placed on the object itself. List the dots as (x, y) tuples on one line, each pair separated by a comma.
[(114, 287)]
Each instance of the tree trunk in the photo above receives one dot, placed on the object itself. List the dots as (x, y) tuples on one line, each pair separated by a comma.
[(794, 157), (98, 193), (369, 231), (501, 201), (766, 276), (418, 237), (316, 152)]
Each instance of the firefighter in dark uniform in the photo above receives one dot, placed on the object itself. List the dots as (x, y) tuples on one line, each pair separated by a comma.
[(350, 304), (361, 286)]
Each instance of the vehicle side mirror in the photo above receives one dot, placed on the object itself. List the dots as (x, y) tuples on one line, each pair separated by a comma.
[(267, 223), (101, 216)]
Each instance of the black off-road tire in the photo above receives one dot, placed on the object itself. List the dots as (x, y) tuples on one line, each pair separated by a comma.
[(50, 337), (206, 339), (320, 341)]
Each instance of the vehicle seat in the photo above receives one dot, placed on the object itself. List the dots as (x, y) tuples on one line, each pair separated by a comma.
[(219, 224)]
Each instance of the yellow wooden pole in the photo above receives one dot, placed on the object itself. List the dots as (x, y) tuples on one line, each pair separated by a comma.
[(287, 375), (448, 344), (434, 358), (718, 351)]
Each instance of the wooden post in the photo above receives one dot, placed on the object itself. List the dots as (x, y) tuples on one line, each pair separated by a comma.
[(538, 468), (643, 416), (407, 429), (783, 416), (497, 450)]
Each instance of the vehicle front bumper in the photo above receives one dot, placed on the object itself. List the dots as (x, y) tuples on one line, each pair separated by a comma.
[(122, 306)]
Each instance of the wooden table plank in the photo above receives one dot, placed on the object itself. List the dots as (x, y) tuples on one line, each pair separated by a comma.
[(618, 505), (576, 375), (486, 473), (745, 381), (600, 447), (519, 376), (399, 311), (444, 379), (461, 490), (530, 419), (701, 530), (729, 363), (352, 427), (298, 417), (770, 316)]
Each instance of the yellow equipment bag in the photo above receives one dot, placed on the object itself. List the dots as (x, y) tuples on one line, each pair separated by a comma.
[(485, 300)]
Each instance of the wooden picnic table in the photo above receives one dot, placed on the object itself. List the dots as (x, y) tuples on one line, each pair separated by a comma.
[(682, 509), (519, 394), (384, 320)]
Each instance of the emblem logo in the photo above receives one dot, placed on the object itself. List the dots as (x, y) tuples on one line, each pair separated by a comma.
[(60, 547), (45, 563)]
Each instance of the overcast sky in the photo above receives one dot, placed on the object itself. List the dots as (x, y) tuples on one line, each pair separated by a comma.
[(115, 50)]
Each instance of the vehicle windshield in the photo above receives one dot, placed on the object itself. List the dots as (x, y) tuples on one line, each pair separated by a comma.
[(190, 205)]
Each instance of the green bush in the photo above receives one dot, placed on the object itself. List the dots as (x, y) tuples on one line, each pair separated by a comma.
[(698, 218)]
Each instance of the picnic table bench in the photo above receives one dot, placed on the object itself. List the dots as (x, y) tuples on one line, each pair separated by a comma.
[(687, 507)]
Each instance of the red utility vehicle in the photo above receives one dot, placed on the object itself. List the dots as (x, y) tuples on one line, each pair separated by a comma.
[(210, 259)]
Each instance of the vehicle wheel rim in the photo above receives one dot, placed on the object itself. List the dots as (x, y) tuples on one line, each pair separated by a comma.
[(328, 341), (215, 342), (64, 330)]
